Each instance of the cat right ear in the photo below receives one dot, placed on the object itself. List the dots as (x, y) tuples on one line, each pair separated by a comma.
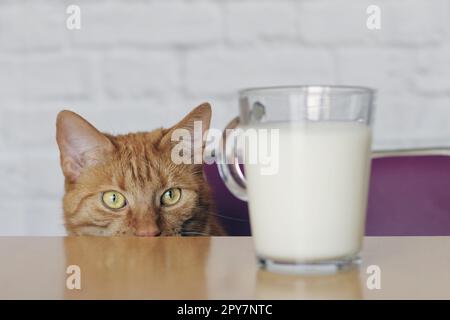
[(80, 144)]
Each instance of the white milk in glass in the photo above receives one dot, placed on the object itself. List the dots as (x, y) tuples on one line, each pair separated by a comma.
[(314, 207)]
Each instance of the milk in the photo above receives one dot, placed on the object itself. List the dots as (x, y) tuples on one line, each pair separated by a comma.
[(314, 207)]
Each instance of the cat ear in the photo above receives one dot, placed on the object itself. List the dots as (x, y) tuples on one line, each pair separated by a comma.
[(80, 144), (201, 114), (196, 124)]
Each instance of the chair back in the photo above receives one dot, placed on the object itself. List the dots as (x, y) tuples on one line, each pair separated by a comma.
[(409, 195)]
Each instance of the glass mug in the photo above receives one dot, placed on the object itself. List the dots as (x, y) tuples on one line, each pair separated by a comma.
[(307, 204)]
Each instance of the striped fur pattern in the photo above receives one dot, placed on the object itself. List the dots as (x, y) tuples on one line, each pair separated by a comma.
[(139, 166)]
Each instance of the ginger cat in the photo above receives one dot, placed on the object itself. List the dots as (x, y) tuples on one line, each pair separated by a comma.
[(129, 185)]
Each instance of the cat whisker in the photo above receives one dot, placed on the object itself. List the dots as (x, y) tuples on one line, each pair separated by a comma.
[(229, 218), (193, 233)]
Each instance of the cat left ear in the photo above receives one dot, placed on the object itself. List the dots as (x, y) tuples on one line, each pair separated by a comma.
[(80, 144), (196, 124), (200, 114)]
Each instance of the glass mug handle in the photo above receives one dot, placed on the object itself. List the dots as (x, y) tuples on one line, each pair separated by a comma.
[(228, 163)]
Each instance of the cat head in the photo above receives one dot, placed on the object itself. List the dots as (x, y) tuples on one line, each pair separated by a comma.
[(129, 184)]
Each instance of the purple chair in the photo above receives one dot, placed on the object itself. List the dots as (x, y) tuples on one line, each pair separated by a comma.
[(409, 195)]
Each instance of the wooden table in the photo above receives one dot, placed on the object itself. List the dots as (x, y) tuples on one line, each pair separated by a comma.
[(210, 268)]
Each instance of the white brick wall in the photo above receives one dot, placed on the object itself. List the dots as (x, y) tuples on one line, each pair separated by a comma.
[(136, 65), (222, 72)]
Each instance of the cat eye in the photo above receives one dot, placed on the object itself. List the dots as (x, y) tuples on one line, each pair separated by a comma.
[(171, 197), (114, 200)]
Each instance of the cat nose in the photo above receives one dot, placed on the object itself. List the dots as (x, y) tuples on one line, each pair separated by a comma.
[(148, 233)]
